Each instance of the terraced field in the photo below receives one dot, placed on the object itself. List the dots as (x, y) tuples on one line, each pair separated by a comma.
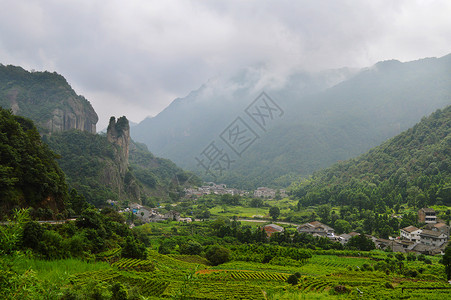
[(322, 276)]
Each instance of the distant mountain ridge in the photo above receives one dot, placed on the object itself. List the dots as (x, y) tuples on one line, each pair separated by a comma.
[(323, 123), (47, 98)]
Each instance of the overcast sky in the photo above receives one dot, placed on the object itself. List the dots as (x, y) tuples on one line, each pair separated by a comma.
[(134, 57)]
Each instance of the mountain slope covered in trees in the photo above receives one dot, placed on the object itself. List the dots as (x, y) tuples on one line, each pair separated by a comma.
[(47, 99), (414, 168), (326, 118)]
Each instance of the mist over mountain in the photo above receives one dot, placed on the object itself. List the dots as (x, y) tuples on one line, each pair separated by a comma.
[(327, 117)]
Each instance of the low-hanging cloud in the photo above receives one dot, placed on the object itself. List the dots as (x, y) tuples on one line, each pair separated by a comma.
[(132, 58)]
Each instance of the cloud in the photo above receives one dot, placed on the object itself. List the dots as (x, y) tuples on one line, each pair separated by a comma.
[(132, 58)]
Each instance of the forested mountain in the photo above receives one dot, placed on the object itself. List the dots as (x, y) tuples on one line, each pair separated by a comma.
[(100, 167), (47, 99), (326, 118), (414, 168), (29, 173)]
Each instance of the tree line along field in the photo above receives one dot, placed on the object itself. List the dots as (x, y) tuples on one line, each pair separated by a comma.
[(165, 277)]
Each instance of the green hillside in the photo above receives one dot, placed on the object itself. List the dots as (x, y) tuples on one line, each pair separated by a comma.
[(91, 165), (414, 168), (29, 173)]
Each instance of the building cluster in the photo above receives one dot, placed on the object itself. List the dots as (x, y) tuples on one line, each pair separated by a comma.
[(264, 192), (212, 188), (431, 239), (222, 189), (150, 215)]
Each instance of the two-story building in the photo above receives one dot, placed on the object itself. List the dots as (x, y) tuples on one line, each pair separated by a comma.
[(410, 233)]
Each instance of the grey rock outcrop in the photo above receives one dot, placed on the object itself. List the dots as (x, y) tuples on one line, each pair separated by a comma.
[(118, 133)]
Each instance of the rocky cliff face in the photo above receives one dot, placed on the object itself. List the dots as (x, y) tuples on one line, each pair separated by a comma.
[(75, 116), (47, 99), (118, 133)]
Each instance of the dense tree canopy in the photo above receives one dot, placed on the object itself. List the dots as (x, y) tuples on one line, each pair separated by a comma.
[(29, 173)]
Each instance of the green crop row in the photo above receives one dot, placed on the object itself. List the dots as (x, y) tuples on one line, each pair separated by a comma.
[(258, 276), (203, 290), (133, 264)]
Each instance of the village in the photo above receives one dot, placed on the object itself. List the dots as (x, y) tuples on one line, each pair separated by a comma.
[(432, 239)]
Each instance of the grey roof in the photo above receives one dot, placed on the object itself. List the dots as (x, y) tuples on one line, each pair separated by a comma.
[(431, 233), (427, 209)]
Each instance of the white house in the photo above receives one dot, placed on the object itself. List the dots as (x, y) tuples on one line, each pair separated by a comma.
[(410, 233)]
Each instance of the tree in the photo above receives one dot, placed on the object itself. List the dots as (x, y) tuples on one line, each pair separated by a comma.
[(32, 235), (274, 212), (342, 226), (217, 255), (133, 249), (191, 248), (361, 242), (324, 212), (292, 279), (447, 261)]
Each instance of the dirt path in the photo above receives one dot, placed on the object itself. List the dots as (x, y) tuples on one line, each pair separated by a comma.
[(265, 221)]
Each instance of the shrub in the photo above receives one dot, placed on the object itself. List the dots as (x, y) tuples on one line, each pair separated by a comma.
[(399, 256), (191, 248), (411, 257), (341, 289), (133, 249), (292, 279), (119, 292), (217, 255), (388, 285)]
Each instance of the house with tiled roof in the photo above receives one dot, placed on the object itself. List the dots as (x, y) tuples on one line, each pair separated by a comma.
[(433, 238), (410, 233), (441, 227), (272, 228), (316, 228)]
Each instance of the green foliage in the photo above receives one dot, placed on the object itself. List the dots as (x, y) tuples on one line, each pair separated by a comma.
[(133, 249), (217, 255), (360, 242), (191, 248), (292, 279), (447, 261), (29, 173), (11, 234), (274, 212)]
